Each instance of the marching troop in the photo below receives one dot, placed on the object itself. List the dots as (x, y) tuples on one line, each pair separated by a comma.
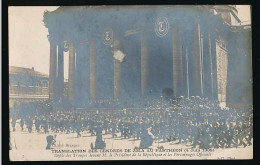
[(196, 122)]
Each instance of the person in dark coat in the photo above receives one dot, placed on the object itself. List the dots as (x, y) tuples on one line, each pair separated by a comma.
[(50, 141), (146, 139), (99, 143)]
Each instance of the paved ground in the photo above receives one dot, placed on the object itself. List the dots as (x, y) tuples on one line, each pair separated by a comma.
[(37, 140), (31, 146)]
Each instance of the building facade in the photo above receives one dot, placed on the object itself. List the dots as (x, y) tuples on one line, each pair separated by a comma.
[(27, 85), (135, 52)]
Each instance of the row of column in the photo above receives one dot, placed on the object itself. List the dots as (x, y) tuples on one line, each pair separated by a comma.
[(195, 79), (198, 69), (56, 75)]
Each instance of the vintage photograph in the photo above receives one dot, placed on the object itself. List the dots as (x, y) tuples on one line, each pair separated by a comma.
[(130, 82)]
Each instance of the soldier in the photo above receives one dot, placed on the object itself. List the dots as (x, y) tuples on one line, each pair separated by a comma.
[(114, 127), (127, 129), (250, 134), (121, 128), (78, 128), (195, 135), (37, 124), (180, 130), (138, 129), (29, 124), (91, 127), (106, 126), (246, 127), (13, 123), (189, 132), (230, 136), (241, 135), (205, 138), (45, 125), (222, 134), (85, 124), (163, 130), (22, 123)]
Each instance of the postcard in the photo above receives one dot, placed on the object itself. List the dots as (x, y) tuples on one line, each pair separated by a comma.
[(130, 82)]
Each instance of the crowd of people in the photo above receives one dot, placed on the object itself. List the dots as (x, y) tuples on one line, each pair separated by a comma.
[(198, 122)]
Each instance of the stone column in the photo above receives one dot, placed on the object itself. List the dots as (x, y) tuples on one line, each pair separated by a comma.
[(177, 61), (211, 65), (214, 63), (76, 75), (143, 64), (196, 63), (201, 65), (92, 78), (52, 70), (60, 75), (116, 70), (71, 71), (82, 73), (187, 72)]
